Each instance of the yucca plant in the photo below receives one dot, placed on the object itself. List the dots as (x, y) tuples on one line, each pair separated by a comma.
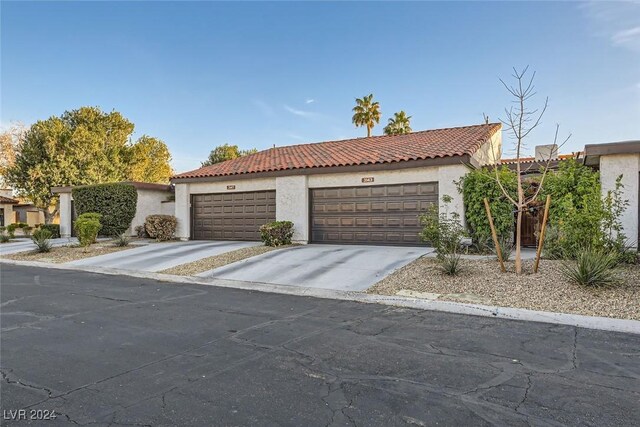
[(4, 238), (450, 264), (42, 240), (121, 240), (592, 268)]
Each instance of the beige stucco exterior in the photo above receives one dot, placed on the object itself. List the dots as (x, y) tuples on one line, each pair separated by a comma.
[(9, 215), (292, 192), (627, 165), (149, 203)]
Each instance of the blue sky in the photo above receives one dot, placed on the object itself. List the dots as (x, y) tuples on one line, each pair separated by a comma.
[(199, 74)]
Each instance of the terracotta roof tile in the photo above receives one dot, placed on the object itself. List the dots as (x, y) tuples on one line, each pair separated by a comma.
[(575, 155), (8, 201), (428, 144)]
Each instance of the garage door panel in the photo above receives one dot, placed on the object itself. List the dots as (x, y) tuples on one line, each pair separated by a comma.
[(232, 216), (385, 214)]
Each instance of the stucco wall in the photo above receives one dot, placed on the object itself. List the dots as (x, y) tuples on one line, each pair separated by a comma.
[(65, 214), (627, 165), (490, 152), (292, 192), (292, 204), (9, 215), (168, 208), (149, 203)]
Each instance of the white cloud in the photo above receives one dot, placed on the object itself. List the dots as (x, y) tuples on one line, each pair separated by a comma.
[(310, 101), (617, 21), (301, 113)]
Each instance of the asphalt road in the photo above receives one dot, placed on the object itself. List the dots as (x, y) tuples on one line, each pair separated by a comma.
[(125, 351)]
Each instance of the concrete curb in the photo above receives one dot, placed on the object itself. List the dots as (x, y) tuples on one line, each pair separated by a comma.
[(590, 322)]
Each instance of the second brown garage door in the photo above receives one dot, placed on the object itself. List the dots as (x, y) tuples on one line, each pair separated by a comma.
[(380, 214), (231, 216)]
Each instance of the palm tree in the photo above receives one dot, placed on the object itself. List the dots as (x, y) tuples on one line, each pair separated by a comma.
[(399, 124), (366, 113)]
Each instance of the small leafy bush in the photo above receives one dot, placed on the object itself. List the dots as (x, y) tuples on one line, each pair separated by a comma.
[(140, 231), (87, 227), (161, 227), (121, 240), (115, 202), (42, 240), (277, 233), (11, 230), (444, 232), (53, 228), (27, 230), (4, 238), (593, 268)]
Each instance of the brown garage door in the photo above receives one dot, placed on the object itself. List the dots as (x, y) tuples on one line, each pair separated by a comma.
[(380, 214), (231, 216)]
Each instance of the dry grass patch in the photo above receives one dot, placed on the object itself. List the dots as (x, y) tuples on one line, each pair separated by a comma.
[(545, 291), (62, 254), (209, 263)]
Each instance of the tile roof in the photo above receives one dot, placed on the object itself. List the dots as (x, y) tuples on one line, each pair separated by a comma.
[(428, 144), (575, 155), (8, 201)]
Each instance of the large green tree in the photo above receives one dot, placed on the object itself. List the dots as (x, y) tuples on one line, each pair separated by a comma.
[(399, 124), (83, 146), (150, 161), (366, 113), (225, 152)]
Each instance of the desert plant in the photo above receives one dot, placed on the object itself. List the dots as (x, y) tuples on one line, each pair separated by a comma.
[(53, 228), (444, 232), (115, 202), (4, 238), (27, 230), (87, 227), (506, 247), (140, 231), (42, 240), (161, 227), (11, 230), (121, 240), (450, 264), (277, 233), (592, 267)]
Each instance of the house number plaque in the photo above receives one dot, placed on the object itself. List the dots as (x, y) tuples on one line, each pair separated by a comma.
[(231, 187), (367, 179)]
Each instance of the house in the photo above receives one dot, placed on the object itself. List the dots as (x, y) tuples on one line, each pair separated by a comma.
[(615, 159), (364, 190), (7, 203), (152, 199)]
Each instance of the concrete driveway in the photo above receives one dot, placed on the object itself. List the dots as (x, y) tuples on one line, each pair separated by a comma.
[(343, 267), (160, 256), (23, 244)]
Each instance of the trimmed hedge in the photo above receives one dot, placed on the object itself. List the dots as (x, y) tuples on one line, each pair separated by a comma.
[(161, 227), (277, 233), (115, 202), (87, 227)]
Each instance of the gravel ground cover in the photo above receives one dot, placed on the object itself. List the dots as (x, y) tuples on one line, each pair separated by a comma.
[(62, 254), (546, 291), (216, 261)]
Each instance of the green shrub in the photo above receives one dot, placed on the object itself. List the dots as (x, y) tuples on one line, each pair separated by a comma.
[(87, 227), (121, 240), (444, 232), (161, 227), (592, 267), (475, 186), (53, 228), (42, 239), (506, 247), (4, 238), (140, 231), (277, 233), (450, 264), (11, 230), (27, 230), (115, 202)]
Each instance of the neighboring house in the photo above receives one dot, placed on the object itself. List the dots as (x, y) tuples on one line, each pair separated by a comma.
[(28, 213), (364, 190), (615, 159), (152, 199), (7, 203)]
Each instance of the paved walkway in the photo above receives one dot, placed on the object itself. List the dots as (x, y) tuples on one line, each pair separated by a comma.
[(160, 256), (114, 350), (343, 267), (23, 244)]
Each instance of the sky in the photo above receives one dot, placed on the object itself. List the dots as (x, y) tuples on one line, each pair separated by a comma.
[(259, 74)]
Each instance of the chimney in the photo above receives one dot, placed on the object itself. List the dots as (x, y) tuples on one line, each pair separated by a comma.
[(546, 152)]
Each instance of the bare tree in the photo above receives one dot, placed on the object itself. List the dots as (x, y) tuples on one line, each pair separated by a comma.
[(519, 122)]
